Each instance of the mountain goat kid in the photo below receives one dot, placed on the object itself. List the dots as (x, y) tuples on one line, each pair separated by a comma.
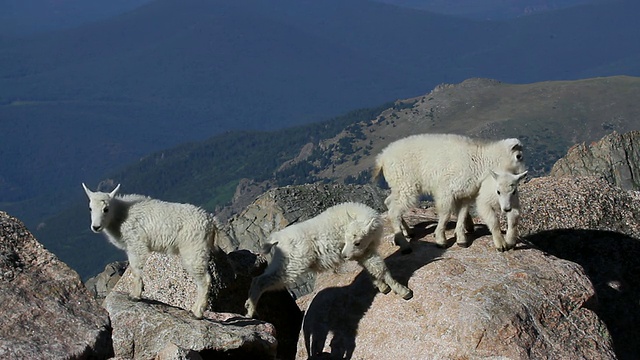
[(449, 167), (499, 194), (139, 225), (348, 231)]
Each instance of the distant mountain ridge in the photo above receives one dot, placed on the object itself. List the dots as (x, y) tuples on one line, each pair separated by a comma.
[(99, 96), (487, 9)]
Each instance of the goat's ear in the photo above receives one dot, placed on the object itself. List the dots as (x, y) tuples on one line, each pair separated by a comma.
[(349, 216), (493, 174), (371, 224), (513, 144), (521, 175), (86, 190), (113, 193)]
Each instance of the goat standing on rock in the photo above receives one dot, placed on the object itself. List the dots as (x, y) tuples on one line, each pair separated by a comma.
[(348, 231), (449, 167), (499, 194), (138, 225)]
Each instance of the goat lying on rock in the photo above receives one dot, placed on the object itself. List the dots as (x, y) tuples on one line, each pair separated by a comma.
[(449, 167), (138, 225), (348, 231)]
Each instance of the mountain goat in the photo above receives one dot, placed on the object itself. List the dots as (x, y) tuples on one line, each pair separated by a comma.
[(348, 231), (138, 225), (450, 168), (499, 193)]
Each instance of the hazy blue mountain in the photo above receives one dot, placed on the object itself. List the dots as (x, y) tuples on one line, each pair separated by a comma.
[(491, 9), (30, 16), (79, 103)]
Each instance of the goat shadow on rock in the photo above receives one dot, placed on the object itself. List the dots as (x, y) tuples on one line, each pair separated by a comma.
[(424, 228), (338, 310), (611, 260)]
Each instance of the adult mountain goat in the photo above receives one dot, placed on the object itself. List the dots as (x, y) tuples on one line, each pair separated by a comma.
[(448, 167), (348, 231), (138, 225)]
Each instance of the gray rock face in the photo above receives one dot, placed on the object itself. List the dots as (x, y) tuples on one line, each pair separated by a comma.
[(145, 328), (46, 311), (469, 303), (615, 157)]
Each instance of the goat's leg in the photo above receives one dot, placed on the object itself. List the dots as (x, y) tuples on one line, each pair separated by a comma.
[(268, 281), (490, 217), (461, 236), (378, 270), (513, 217), (443, 207), (137, 259), (196, 263), (469, 226), (395, 215)]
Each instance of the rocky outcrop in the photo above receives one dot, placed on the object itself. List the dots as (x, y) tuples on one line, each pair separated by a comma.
[(100, 285), (595, 224), (616, 157), (169, 289), (46, 311), (468, 304), (143, 329)]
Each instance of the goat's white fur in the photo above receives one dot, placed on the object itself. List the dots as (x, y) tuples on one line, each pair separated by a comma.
[(139, 225), (348, 231), (449, 167), (499, 194)]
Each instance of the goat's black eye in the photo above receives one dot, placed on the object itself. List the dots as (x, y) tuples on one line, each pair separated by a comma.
[(105, 210), (357, 243), (519, 157), (498, 191)]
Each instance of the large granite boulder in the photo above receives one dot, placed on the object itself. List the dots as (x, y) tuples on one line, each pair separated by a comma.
[(143, 329), (616, 157), (46, 311), (471, 303), (168, 286), (593, 223)]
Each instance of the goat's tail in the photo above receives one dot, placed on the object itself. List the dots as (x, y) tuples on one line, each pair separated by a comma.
[(377, 172)]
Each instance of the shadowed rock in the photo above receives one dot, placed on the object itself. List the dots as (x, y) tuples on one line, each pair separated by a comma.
[(595, 224)]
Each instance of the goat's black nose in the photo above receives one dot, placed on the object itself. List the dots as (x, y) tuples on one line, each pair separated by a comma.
[(95, 228), (507, 209)]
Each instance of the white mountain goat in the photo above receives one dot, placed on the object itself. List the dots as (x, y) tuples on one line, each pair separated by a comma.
[(348, 231), (446, 166), (499, 194), (139, 225)]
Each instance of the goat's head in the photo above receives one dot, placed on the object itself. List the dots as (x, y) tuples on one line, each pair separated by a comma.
[(358, 237), (507, 189), (514, 149), (99, 205)]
